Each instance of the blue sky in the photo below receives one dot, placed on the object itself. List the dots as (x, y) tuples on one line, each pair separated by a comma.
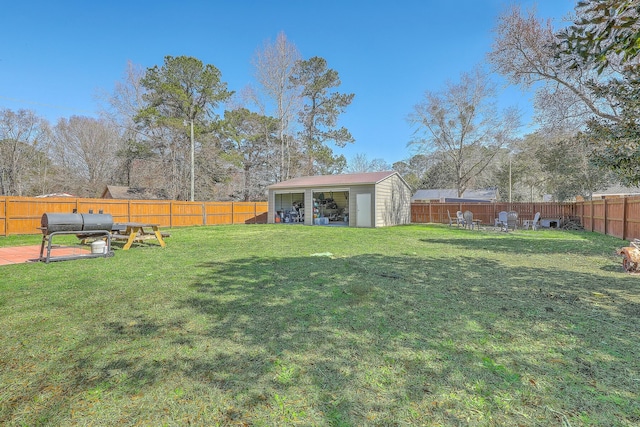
[(56, 56)]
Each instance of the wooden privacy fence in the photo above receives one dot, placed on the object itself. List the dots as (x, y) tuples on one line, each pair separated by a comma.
[(21, 215), (614, 216), (617, 216), (487, 212)]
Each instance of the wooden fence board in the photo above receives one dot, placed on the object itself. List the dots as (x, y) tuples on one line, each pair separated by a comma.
[(219, 213), (3, 217), (22, 215), (618, 217), (487, 212)]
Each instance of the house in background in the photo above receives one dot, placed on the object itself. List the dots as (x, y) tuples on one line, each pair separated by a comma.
[(451, 196), (616, 191), (133, 193), (55, 195), (373, 199)]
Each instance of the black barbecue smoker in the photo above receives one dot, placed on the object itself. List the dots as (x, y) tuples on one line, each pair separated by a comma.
[(96, 227)]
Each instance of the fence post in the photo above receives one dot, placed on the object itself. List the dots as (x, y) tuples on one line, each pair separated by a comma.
[(233, 213), (624, 218), (6, 216), (255, 213), (171, 214), (604, 203)]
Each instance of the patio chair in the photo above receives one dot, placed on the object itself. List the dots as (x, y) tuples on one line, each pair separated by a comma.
[(512, 220), (468, 219), (534, 223), (460, 219), (501, 221)]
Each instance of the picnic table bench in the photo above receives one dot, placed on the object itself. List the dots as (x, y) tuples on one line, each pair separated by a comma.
[(135, 232)]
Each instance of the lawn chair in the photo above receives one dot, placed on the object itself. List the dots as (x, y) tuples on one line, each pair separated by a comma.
[(512, 220), (468, 219), (501, 221), (460, 219), (534, 224)]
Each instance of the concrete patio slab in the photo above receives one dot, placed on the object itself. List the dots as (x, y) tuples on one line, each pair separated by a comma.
[(22, 254)]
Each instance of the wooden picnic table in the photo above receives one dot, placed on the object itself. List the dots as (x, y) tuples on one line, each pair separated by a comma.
[(135, 232)]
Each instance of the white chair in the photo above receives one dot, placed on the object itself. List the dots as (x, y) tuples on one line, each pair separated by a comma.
[(534, 224), (468, 219), (460, 219), (501, 221), (512, 220)]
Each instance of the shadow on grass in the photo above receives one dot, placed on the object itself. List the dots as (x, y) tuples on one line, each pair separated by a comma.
[(378, 340), (369, 332), (531, 243)]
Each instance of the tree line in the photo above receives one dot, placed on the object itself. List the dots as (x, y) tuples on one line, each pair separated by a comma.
[(165, 128), (587, 86), (177, 126)]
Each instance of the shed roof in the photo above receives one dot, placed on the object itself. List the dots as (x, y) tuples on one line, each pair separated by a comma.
[(335, 180)]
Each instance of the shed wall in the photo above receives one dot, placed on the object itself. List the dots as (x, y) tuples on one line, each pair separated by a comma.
[(353, 206), (392, 202), (308, 206)]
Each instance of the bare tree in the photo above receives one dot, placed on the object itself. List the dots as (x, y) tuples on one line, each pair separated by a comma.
[(86, 148), (528, 53), (137, 161), (361, 163), (22, 152), (586, 77), (123, 104), (462, 123), (274, 66)]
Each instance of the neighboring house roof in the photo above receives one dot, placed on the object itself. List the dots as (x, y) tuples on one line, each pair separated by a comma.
[(617, 190), (488, 195), (56, 195), (335, 180), (435, 194), (135, 193)]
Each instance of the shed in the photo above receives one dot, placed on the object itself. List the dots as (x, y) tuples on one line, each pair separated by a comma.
[(372, 199)]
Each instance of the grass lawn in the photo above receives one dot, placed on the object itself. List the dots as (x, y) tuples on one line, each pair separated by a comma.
[(275, 325)]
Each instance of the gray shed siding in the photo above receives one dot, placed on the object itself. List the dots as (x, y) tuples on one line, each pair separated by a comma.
[(353, 207), (308, 206), (392, 202)]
